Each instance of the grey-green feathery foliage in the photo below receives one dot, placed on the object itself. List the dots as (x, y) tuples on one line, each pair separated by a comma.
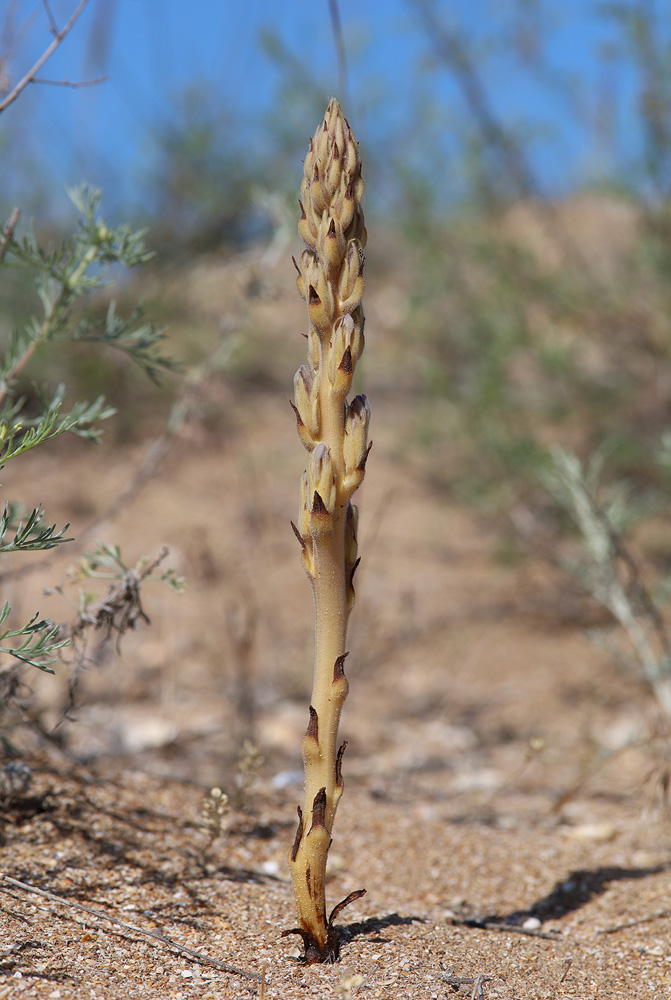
[(63, 275), (603, 512)]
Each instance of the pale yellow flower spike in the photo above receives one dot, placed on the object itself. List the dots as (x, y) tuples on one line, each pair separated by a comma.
[(335, 434)]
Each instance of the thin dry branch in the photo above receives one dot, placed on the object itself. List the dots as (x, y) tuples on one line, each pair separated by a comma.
[(493, 925), (477, 982), (8, 232), (48, 52), (73, 84), (650, 918), (10, 37), (194, 956), (450, 47), (633, 577), (339, 41), (53, 27)]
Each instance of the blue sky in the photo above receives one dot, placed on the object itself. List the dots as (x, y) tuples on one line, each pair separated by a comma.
[(576, 106)]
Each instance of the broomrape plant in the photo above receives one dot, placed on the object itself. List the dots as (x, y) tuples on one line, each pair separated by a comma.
[(335, 434)]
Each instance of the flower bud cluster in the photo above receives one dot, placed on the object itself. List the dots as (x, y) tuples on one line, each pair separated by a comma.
[(330, 280), (332, 187), (330, 276)]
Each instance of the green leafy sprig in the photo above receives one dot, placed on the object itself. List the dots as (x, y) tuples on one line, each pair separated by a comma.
[(40, 640), (65, 273), (29, 535)]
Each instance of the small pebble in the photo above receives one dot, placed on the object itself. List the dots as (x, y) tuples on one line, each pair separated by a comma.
[(594, 832), (335, 864), (531, 924)]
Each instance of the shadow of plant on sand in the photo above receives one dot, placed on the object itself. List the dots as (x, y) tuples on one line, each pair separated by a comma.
[(574, 891)]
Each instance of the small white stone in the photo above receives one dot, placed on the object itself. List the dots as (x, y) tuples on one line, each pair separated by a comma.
[(597, 832), (531, 924), (335, 864), (284, 778)]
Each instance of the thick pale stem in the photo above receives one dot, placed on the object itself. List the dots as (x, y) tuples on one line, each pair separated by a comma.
[(329, 690), (330, 280)]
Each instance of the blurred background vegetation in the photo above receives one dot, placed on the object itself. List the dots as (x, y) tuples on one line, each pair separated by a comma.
[(517, 159)]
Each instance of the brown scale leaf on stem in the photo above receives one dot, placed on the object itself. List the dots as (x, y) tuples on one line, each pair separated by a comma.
[(319, 808), (299, 834), (339, 667), (313, 725)]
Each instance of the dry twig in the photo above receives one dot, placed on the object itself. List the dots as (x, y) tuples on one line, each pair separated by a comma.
[(53, 27), (73, 84), (477, 982), (493, 925), (193, 956), (8, 232), (336, 28), (660, 915), (48, 52)]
